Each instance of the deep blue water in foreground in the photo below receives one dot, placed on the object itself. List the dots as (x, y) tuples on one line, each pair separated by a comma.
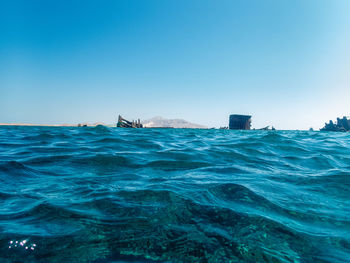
[(173, 195)]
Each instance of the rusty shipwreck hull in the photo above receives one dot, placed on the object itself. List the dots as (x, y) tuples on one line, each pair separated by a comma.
[(240, 122), (341, 125), (123, 123)]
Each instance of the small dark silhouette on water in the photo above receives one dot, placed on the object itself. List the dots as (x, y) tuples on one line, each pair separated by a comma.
[(240, 122), (267, 128), (342, 125), (128, 124)]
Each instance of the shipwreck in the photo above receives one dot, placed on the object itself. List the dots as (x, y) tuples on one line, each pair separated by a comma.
[(341, 125), (123, 123), (240, 122)]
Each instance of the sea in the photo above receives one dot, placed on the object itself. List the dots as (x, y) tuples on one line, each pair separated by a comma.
[(103, 194)]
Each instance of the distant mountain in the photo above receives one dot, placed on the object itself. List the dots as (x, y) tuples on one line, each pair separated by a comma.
[(174, 123)]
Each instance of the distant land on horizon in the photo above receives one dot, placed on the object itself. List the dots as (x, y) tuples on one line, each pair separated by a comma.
[(155, 122), (53, 125), (150, 123), (174, 123)]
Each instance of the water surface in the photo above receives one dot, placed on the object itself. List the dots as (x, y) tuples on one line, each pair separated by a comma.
[(173, 195)]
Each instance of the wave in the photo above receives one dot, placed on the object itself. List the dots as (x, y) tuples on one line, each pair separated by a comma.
[(101, 194), (14, 168)]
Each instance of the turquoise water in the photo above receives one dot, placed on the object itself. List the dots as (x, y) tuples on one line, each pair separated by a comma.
[(173, 195)]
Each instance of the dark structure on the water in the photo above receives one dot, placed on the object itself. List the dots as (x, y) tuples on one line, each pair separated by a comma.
[(123, 123), (240, 122), (267, 128), (342, 125)]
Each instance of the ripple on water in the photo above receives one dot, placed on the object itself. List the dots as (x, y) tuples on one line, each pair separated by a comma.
[(99, 194)]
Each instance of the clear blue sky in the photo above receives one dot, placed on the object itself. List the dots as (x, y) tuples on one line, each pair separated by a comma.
[(285, 62)]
